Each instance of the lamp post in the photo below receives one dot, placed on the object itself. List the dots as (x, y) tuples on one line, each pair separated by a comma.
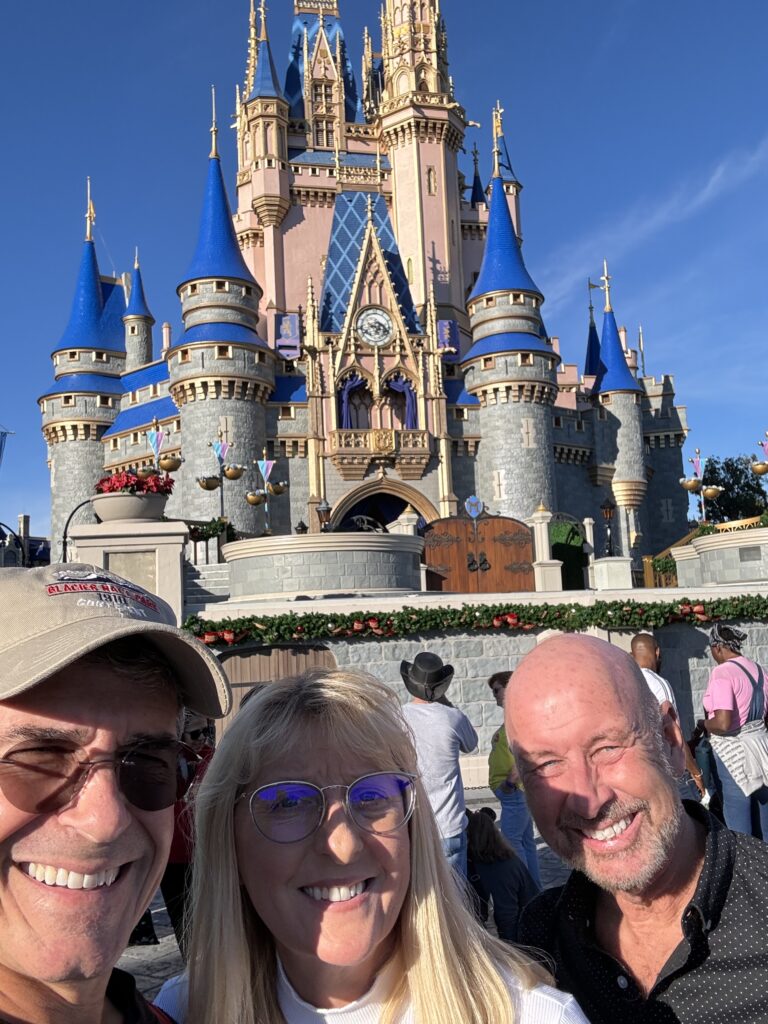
[(695, 484), (269, 490), (64, 539), (760, 468), (19, 542), (324, 515), (301, 528), (608, 508), (227, 471)]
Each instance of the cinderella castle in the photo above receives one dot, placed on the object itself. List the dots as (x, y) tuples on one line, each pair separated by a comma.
[(366, 317)]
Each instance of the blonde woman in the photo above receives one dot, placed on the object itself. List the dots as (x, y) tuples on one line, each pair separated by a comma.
[(321, 893)]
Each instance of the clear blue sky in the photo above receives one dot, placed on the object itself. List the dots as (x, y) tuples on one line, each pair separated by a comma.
[(637, 128)]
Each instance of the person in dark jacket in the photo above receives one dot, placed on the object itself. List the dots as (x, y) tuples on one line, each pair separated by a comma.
[(497, 875)]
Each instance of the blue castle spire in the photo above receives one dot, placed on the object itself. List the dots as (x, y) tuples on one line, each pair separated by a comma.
[(84, 327), (266, 84), (503, 268), (592, 359), (613, 373), (217, 253), (137, 305), (478, 192)]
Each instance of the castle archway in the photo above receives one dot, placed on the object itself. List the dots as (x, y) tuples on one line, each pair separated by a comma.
[(382, 500)]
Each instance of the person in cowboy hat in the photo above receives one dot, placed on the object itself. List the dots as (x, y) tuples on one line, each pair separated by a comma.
[(440, 732)]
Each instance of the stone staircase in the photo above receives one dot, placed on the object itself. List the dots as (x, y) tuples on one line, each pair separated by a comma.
[(203, 585)]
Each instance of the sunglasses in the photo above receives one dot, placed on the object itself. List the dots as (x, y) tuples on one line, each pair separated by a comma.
[(151, 776), (288, 812)]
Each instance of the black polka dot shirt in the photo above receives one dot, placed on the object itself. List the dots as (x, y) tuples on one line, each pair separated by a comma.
[(717, 975)]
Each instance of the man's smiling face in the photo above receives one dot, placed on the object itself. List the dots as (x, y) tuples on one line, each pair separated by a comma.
[(594, 762), (73, 882)]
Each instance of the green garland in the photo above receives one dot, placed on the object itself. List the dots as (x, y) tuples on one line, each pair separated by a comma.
[(510, 618)]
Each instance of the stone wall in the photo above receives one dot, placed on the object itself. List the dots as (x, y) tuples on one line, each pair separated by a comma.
[(686, 664), (738, 557)]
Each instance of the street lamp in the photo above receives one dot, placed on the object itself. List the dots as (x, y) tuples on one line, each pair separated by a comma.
[(19, 543), (695, 484), (269, 490), (229, 471), (608, 508), (301, 528), (324, 515)]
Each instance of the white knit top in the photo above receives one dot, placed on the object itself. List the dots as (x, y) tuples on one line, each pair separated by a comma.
[(539, 1005)]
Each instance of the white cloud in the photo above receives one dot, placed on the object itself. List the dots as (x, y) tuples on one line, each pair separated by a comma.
[(570, 265)]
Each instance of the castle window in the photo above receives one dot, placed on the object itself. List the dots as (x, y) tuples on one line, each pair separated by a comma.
[(579, 426), (431, 181), (602, 414), (135, 437), (133, 329), (638, 401), (99, 357), (74, 357), (248, 290), (154, 391), (176, 426), (449, 370), (409, 270), (605, 399), (287, 412), (184, 355), (314, 171), (133, 397), (322, 97), (324, 134), (221, 286), (114, 444), (489, 362), (67, 399), (558, 421), (261, 357), (526, 358), (288, 367), (518, 297), (193, 289), (490, 301), (223, 351), (461, 414), (105, 402)]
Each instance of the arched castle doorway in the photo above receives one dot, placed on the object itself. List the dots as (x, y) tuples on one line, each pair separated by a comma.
[(382, 500)]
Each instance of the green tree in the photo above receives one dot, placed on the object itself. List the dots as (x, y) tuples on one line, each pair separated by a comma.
[(744, 495)]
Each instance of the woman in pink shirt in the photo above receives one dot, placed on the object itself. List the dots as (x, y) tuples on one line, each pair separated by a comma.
[(735, 707)]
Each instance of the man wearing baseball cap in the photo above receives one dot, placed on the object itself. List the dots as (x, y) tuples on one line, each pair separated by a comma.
[(93, 679)]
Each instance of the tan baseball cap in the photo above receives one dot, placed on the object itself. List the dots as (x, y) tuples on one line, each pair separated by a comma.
[(50, 617)]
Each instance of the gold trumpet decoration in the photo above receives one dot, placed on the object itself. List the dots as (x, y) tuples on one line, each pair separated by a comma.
[(170, 463), (233, 471), (760, 467)]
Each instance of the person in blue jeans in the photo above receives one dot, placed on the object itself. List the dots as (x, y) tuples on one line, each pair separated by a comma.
[(516, 823)]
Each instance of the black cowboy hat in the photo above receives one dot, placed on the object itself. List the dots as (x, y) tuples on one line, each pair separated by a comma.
[(426, 677)]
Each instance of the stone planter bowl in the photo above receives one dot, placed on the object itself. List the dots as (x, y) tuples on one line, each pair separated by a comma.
[(112, 508)]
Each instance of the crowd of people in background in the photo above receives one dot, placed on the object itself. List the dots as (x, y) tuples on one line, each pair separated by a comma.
[(321, 865)]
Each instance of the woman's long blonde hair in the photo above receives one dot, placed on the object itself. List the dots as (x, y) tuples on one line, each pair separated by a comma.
[(452, 970)]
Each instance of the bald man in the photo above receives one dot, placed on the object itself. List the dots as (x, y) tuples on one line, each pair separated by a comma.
[(647, 655), (662, 918)]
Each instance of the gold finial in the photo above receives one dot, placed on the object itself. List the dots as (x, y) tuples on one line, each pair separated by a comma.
[(606, 279), (90, 212), (263, 15), (214, 129), (250, 66), (136, 259), (498, 131)]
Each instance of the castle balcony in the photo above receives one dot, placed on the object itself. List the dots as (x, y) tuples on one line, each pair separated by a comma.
[(353, 451)]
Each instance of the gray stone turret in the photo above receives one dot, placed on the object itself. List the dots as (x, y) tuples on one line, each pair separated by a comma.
[(85, 397), (138, 324), (512, 369), (619, 441), (221, 372)]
